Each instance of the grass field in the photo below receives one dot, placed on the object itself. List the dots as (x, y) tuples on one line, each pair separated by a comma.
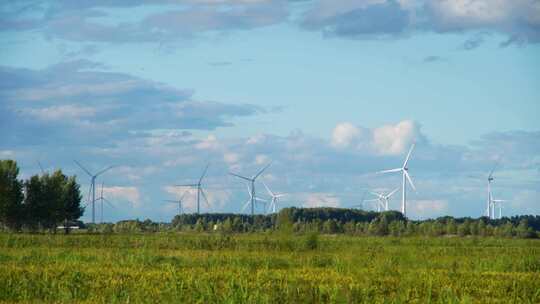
[(257, 268)]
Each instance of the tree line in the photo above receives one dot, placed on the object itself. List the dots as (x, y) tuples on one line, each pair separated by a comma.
[(41, 202), (332, 221)]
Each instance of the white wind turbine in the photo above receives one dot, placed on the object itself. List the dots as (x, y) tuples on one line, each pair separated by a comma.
[(200, 190), (101, 198), (92, 190), (252, 180), (251, 199), (494, 203), (382, 199), (490, 206), (405, 172), (274, 198)]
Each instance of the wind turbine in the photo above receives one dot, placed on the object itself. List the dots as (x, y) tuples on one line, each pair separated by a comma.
[(383, 199), (200, 190), (252, 188), (405, 172), (179, 202), (274, 198), (92, 189), (102, 198), (494, 202), (251, 198), (490, 179)]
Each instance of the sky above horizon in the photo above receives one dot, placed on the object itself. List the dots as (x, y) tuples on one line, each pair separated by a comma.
[(328, 91)]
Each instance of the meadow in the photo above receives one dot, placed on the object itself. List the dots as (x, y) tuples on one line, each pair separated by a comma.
[(266, 268)]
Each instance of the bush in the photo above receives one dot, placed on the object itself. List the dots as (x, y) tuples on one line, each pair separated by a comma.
[(311, 241)]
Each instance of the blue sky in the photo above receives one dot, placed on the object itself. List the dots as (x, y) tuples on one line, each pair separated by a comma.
[(330, 91)]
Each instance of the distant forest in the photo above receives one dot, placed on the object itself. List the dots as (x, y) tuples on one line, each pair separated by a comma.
[(45, 201), (334, 221)]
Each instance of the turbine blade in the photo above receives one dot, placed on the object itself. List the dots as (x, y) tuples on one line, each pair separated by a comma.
[(374, 193), (89, 194), (205, 198), (410, 180), (249, 191), (240, 176), (204, 173), (268, 189), (408, 156), (262, 170), (390, 171), (493, 170), (84, 169), (392, 193), (41, 167), (280, 195), (186, 185), (245, 205), (260, 199), (108, 202), (182, 196), (104, 170)]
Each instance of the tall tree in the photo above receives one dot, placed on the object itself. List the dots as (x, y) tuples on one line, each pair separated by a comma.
[(11, 195), (51, 200), (71, 208)]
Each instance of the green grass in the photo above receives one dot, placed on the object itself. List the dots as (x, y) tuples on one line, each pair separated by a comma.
[(191, 268)]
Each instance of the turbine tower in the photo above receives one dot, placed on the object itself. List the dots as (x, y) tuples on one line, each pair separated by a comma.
[(101, 198), (252, 188), (251, 198), (274, 198), (493, 203), (382, 199), (92, 190), (490, 179), (405, 176), (200, 190)]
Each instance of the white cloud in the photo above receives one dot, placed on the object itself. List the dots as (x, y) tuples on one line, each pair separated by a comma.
[(524, 202), (231, 158), (130, 194), (427, 208), (321, 199), (395, 139), (256, 139), (261, 159), (384, 140), (345, 134), (7, 153), (209, 143), (134, 173), (69, 112)]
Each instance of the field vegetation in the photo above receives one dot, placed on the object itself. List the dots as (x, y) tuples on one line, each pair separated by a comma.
[(266, 268)]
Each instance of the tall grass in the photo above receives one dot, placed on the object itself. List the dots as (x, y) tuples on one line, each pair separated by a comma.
[(198, 268)]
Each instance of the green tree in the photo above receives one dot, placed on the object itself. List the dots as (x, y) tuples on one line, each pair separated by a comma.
[(330, 226), (464, 228), (11, 195), (51, 200), (451, 227), (71, 209), (523, 230)]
